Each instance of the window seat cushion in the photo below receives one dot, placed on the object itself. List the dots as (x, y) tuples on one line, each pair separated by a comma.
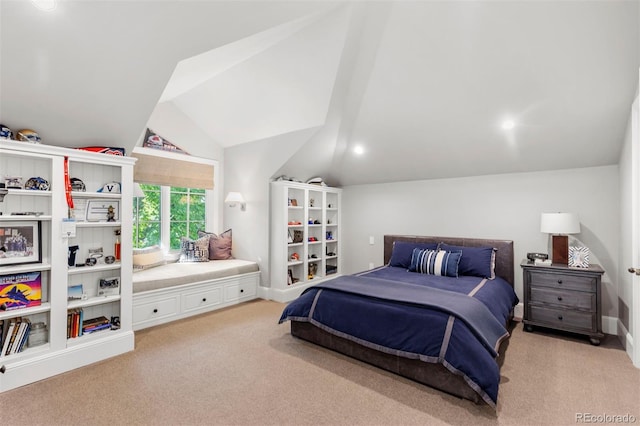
[(175, 274)]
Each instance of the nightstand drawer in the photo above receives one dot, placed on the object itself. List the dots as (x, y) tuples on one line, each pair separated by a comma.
[(559, 318), (563, 281), (570, 299)]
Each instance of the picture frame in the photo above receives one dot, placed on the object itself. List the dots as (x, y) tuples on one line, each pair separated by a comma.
[(109, 286), (23, 290), (578, 257), (98, 210), (20, 242)]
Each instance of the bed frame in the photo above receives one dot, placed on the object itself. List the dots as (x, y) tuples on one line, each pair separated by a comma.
[(433, 375)]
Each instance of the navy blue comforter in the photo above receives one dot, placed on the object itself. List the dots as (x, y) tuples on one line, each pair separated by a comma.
[(417, 316)]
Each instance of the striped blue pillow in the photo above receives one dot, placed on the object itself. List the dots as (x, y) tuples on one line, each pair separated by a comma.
[(432, 262)]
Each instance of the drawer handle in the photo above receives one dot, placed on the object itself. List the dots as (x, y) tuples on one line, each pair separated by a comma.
[(559, 298), (241, 290), (155, 311), (3, 369), (560, 317), (559, 281), (204, 299)]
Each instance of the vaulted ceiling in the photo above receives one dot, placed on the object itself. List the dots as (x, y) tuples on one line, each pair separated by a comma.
[(421, 87)]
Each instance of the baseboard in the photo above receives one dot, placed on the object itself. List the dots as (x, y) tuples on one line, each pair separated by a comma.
[(625, 338), (518, 312)]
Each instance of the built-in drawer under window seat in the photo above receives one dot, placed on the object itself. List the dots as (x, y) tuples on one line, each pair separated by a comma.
[(178, 290)]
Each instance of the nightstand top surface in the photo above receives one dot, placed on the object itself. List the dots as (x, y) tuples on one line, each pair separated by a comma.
[(559, 267)]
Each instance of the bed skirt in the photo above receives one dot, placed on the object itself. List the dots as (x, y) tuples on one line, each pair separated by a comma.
[(433, 375)]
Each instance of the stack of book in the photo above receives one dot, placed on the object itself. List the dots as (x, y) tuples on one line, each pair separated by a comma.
[(95, 324), (13, 335)]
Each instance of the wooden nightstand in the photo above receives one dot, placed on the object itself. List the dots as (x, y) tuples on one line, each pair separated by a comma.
[(563, 298)]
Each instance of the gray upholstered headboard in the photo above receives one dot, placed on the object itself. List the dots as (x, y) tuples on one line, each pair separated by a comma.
[(504, 249)]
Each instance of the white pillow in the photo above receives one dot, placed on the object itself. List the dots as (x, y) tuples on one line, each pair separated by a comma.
[(148, 257)]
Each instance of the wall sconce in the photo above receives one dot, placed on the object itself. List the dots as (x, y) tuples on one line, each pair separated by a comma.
[(560, 224), (137, 190), (235, 197)]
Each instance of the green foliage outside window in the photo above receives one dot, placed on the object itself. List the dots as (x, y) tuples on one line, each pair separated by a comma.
[(146, 217), (187, 216)]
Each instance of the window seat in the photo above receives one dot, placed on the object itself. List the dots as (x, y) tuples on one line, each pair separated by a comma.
[(178, 290)]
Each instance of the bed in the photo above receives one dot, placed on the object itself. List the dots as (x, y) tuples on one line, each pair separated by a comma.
[(462, 288)]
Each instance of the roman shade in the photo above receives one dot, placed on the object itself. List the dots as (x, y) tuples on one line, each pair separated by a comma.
[(162, 169)]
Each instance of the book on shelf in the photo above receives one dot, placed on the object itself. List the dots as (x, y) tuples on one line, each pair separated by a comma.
[(7, 338), (91, 324), (23, 330), (15, 338), (97, 328), (74, 321)]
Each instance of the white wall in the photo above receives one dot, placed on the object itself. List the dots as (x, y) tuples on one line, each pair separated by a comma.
[(248, 169), (504, 206), (625, 281)]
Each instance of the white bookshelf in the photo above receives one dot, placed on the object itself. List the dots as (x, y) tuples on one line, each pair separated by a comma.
[(61, 353), (314, 212)]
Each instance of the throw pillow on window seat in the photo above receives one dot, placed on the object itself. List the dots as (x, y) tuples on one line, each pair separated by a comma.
[(219, 245), (148, 257), (194, 250)]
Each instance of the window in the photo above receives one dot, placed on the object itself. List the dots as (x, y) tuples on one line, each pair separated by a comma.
[(187, 214), (166, 214), (146, 217)]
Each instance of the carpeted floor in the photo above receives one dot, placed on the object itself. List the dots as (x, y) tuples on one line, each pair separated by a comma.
[(237, 366)]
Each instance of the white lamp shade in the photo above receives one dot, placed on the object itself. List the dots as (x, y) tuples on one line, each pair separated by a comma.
[(137, 190), (234, 197), (559, 223)]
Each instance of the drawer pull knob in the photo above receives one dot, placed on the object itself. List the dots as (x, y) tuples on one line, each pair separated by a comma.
[(241, 290), (560, 317), (559, 298), (559, 281), (155, 311), (3, 369), (204, 299)]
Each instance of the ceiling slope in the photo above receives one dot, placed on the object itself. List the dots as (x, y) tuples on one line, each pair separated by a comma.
[(421, 87), (92, 72)]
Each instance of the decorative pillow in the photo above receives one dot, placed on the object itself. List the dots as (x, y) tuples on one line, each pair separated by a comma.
[(475, 261), (148, 257), (219, 245), (194, 250), (435, 262), (402, 251)]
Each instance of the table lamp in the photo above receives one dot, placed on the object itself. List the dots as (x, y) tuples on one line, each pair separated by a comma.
[(559, 225)]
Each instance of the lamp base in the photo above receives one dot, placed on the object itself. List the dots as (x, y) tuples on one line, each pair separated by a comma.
[(560, 249)]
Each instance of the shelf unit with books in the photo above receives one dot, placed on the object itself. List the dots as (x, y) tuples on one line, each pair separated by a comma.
[(305, 245), (93, 226)]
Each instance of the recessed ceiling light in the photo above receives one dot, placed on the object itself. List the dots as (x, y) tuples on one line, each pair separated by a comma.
[(508, 124), (47, 5), (358, 149)]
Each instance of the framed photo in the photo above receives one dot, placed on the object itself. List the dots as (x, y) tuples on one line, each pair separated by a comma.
[(109, 286), (20, 290), (20, 242), (579, 257), (103, 211)]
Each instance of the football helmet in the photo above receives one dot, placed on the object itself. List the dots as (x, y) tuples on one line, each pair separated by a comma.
[(37, 183), (77, 185), (5, 132), (112, 187), (28, 135)]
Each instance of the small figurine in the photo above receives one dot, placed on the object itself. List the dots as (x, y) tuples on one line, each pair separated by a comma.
[(111, 214)]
